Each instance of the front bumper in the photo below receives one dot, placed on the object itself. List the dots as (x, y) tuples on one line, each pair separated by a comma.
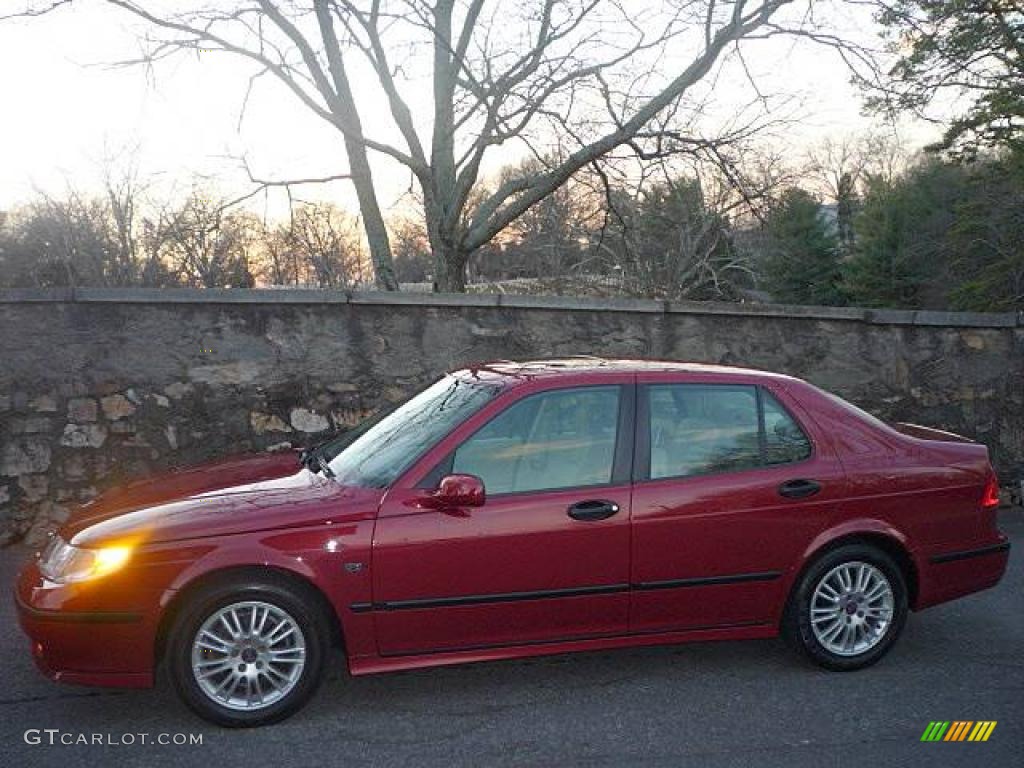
[(75, 639)]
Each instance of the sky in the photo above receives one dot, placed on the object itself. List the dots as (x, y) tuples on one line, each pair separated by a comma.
[(66, 112)]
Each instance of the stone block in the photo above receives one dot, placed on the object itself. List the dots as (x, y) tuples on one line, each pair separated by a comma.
[(345, 418), (43, 404), (47, 517), (83, 436), (25, 456), (82, 409), (31, 425), (267, 422), (117, 407), (305, 420), (33, 487), (74, 467), (178, 390)]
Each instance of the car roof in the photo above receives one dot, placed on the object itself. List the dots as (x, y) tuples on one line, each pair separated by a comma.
[(586, 365)]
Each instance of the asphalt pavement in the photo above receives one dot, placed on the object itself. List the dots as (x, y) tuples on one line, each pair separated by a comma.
[(744, 704)]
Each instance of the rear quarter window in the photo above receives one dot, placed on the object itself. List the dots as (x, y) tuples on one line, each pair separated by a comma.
[(784, 441)]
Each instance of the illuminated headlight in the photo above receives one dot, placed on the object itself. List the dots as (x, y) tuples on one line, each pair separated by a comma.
[(63, 563)]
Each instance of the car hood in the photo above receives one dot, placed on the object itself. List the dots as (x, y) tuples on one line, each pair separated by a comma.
[(236, 495)]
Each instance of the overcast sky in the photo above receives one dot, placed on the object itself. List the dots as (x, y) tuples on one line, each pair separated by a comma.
[(63, 111)]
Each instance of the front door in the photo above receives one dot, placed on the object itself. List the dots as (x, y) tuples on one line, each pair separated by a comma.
[(545, 558)]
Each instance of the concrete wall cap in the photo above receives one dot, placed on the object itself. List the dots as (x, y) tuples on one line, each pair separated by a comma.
[(276, 296)]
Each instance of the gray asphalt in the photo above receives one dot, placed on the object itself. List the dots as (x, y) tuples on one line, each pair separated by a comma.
[(712, 704)]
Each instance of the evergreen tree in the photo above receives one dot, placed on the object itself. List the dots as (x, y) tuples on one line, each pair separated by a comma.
[(902, 248), (987, 238), (973, 49), (802, 263)]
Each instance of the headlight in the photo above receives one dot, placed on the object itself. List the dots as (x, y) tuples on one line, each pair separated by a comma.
[(63, 563)]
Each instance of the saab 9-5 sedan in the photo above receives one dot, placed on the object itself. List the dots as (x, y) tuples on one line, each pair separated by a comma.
[(518, 509)]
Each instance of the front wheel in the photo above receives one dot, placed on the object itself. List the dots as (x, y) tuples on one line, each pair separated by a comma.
[(247, 654), (848, 608)]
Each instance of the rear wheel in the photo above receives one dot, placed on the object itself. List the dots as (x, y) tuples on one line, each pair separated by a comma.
[(248, 653), (848, 608)]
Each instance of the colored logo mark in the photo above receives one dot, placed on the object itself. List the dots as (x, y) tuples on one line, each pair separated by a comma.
[(958, 730)]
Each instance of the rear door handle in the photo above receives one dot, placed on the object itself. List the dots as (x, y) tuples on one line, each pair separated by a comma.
[(594, 509), (799, 489)]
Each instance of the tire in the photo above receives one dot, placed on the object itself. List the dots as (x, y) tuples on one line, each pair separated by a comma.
[(864, 629), (263, 678)]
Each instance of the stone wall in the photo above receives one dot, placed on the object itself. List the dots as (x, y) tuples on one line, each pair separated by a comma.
[(98, 386)]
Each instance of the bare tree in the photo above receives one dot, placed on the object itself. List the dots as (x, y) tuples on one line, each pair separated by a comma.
[(411, 249), (208, 245), (279, 262), (319, 246), (839, 168), (546, 241), (596, 74), (30, 10), (79, 239), (324, 240), (58, 242), (673, 238), (838, 165)]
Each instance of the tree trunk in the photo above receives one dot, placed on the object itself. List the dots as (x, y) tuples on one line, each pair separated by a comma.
[(343, 105), (449, 258), (449, 269), (373, 220)]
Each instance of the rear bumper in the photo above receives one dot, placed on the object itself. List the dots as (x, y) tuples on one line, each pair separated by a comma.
[(971, 554), (89, 647), (950, 574)]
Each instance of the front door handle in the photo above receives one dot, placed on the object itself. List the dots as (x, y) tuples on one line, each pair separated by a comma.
[(594, 509), (799, 489)]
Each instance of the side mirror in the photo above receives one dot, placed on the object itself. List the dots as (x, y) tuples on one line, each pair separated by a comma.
[(460, 491)]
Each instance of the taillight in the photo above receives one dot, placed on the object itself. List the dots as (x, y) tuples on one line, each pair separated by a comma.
[(990, 498)]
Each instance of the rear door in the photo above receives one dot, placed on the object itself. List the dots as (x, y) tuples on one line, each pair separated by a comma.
[(545, 558), (731, 484)]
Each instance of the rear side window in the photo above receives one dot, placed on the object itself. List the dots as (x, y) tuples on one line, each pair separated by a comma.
[(784, 441), (560, 439), (701, 429)]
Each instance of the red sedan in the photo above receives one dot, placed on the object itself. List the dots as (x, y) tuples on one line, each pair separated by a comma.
[(517, 509)]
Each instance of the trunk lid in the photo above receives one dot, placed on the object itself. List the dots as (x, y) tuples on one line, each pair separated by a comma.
[(929, 433)]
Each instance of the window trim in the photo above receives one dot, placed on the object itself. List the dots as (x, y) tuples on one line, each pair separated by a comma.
[(622, 456), (642, 446)]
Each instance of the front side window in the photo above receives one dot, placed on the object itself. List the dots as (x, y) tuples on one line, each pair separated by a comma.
[(701, 429), (377, 456), (559, 439)]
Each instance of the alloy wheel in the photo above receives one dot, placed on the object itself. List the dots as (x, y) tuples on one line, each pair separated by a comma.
[(248, 655), (852, 608)]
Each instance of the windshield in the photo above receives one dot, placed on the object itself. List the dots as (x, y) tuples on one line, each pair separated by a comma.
[(388, 447)]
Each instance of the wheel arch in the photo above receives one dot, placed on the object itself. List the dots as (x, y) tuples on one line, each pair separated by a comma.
[(889, 540), (180, 597)]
